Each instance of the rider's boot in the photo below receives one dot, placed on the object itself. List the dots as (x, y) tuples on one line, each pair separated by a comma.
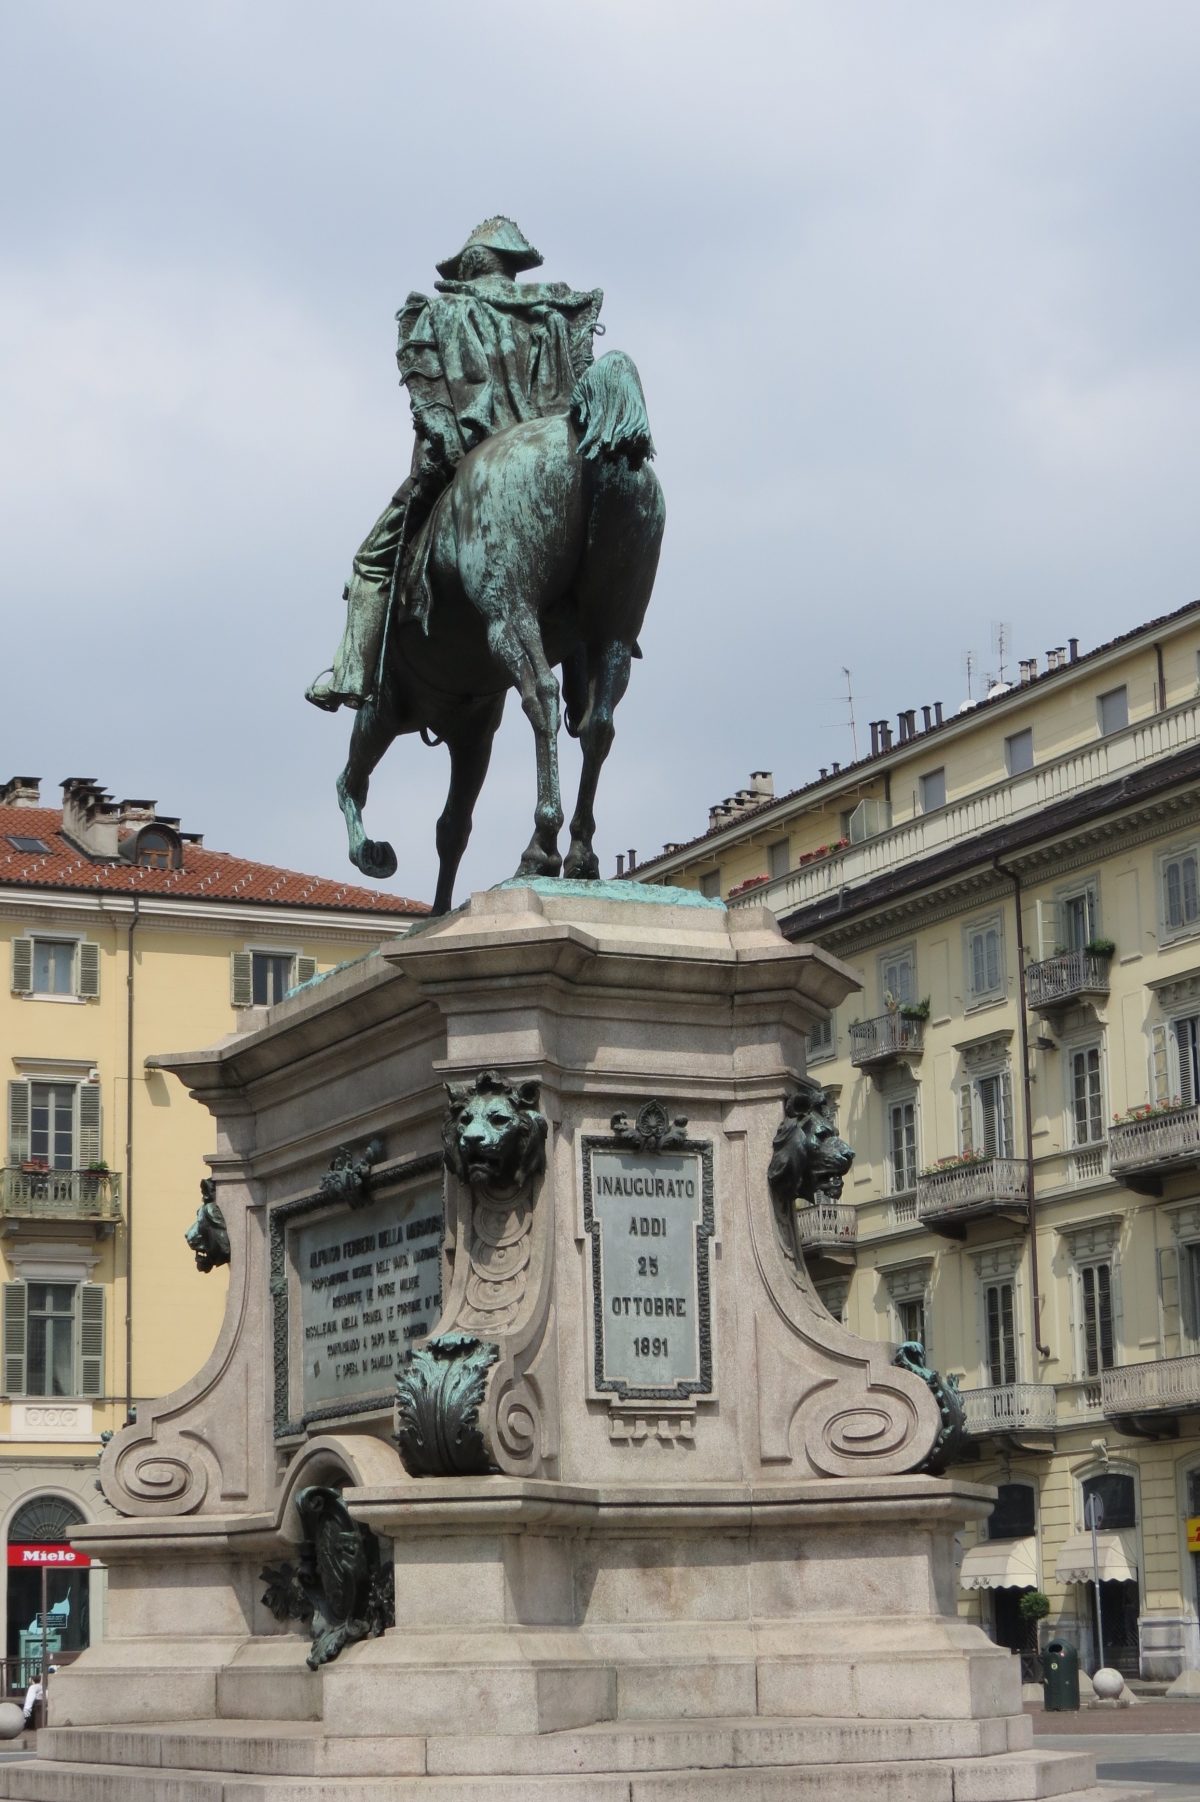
[(353, 674)]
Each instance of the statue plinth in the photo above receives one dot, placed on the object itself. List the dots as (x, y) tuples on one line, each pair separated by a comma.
[(655, 1518)]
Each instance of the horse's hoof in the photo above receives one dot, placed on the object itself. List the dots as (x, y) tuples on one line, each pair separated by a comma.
[(582, 866), (376, 858)]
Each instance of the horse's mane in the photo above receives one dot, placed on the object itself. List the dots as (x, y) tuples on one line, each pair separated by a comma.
[(610, 410)]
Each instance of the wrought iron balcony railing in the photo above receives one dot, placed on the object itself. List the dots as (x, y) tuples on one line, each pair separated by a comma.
[(886, 1037), (1069, 976), (1010, 1408), (946, 1199), (59, 1194), (1152, 1146), (829, 1229), (1161, 1386)]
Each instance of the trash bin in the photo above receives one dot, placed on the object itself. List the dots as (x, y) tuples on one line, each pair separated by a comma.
[(1060, 1677)]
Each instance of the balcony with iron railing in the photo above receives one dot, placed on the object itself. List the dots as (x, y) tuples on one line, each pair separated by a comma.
[(1009, 1408), (1155, 1143), (28, 1193), (885, 1038), (973, 1188), (1161, 1387), (1067, 977), (828, 1230)]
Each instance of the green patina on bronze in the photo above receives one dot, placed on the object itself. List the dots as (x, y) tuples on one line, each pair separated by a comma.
[(525, 538), (438, 1397)]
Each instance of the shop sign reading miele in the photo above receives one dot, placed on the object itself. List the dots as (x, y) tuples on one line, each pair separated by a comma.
[(25, 1557)]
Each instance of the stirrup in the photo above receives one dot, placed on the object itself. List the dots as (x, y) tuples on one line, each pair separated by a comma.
[(321, 695)]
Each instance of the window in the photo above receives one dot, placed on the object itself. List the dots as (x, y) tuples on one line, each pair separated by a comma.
[(155, 851), (710, 884), (56, 1123), (1012, 1515), (985, 1116), (19, 843), (1078, 919), (1114, 711), (820, 1040), (1180, 892), (1018, 752), (1118, 1496), (1185, 1034), (933, 790), (53, 1338), (45, 966), (52, 1124), (778, 858), (902, 1143), (910, 1318), (1096, 1343), (999, 1321), (1087, 1105), (985, 961), (898, 978), (261, 978)]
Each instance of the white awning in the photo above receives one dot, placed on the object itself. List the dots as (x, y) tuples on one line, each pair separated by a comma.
[(1118, 1558), (1000, 1564)]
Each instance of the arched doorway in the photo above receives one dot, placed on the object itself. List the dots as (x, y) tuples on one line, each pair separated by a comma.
[(45, 1576), (1119, 1595)]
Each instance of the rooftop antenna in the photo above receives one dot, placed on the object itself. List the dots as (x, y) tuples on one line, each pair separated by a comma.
[(1001, 641), (969, 664), (850, 704)]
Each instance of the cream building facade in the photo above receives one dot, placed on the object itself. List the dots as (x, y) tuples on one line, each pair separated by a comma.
[(122, 936), (1018, 885)]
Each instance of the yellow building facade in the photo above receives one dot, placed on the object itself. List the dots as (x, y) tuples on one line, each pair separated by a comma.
[(1018, 886), (122, 936)]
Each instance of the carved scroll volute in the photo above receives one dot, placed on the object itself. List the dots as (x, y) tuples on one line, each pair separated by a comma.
[(497, 1307), (829, 1402)]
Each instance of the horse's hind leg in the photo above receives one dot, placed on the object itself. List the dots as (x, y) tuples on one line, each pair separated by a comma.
[(372, 734), (515, 641), (470, 753), (608, 678)]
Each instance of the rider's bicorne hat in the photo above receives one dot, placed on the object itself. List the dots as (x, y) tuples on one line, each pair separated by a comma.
[(496, 234)]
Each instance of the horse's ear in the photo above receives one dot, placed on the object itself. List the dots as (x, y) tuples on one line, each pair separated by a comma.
[(636, 651)]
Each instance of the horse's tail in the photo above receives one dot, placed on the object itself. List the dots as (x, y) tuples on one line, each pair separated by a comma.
[(610, 410)]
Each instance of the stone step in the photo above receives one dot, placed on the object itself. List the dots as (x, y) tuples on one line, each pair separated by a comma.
[(303, 1748), (1012, 1777)]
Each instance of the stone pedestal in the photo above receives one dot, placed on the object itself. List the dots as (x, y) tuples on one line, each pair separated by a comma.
[(680, 1546)]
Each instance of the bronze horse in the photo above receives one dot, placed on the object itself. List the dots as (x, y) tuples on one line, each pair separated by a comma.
[(541, 553)]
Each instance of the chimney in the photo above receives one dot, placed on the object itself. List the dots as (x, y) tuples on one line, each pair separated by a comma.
[(139, 813), (1074, 644), (1062, 656), (836, 768), (90, 816), (1028, 669), (824, 773), (632, 856), (718, 815), (1051, 661), (874, 738), (885, 736), (620, 863), (671, 845), (927, 716), (21, 791), (762, 783), (907, 722), (937, 713)]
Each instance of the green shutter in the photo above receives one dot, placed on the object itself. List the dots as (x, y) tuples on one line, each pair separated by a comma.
[(14, 1338), (306, 969), (965, 1122), (89, 970), (1160, 1066), (90, 1148), (1006, 1135), (91, 1339), (22, 966), (18, 1122), (241, 979)]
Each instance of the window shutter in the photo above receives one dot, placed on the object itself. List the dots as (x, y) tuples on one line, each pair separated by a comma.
[(1005, 1134), (965, 1124), (91, 1339), (14, 1338), (1184, 1260), (18, 1122), (306, 969), (1160, 1068), (241, 979), (88, 974), (22, 966), (1184, 1057), (90, 1150), (1049, 929)]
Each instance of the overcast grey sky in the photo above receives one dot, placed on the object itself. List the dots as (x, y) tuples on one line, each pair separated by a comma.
[(913, 289)]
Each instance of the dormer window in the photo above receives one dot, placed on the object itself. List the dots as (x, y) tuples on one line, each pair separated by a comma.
[(154, 848)]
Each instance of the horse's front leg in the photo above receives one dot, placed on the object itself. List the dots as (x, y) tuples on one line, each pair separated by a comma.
[(372, 735), (470, 753), (516, 643), (608, 678)]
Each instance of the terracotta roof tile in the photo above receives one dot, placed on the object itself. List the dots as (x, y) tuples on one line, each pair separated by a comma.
[(206, 875)]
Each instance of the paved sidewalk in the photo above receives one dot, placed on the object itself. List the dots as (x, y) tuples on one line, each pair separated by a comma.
[(1154, 1715), (1166, 1761)]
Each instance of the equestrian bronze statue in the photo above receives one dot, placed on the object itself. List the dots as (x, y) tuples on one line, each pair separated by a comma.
[(524, 540)]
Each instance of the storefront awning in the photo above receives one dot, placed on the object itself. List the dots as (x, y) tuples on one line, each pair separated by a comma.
[(1000, 1564), (1118, 1558)]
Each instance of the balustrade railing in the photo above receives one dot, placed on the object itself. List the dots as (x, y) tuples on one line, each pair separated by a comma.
[(60, 1194), (1009, 1407), (1155, 1139), (1088, 1163), (1057, 980), (968, 1188), (825, 1223), (886, 1036), (1172, 1384)]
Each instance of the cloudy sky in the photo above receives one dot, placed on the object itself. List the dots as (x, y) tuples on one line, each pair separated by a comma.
[(913, 290)]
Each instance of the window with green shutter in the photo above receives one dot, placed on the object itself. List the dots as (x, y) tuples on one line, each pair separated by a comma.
[(241, 979), (22, 966), (89, 970), (306, 969)]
